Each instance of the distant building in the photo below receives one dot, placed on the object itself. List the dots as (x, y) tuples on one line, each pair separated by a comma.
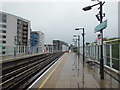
[(59, 46), (48, 48), (37, 41), (14, 31)]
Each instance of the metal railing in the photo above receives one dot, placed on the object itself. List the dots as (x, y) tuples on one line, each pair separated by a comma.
[(17, 50), (111, 53)]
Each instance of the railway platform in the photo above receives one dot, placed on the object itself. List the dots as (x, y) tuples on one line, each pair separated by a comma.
[(12, 57), (70, 72)]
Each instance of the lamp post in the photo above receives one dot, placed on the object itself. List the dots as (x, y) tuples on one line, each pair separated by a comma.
[(83, 34), (15, 42), (101, 31), (29, 46), (75, 43), (78, 44)]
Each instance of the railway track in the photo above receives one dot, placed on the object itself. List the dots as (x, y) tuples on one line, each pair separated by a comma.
[(21, 73)]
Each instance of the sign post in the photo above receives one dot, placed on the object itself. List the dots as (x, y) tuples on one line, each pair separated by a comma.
[(101, 26), (99, 38)]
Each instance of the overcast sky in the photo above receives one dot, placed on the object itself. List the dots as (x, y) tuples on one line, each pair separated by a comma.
[(58, 18)]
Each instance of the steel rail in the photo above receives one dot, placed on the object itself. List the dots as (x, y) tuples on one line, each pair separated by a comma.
[(25, 70)]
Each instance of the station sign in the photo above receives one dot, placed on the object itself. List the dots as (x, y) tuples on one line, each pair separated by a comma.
[(101, 26)]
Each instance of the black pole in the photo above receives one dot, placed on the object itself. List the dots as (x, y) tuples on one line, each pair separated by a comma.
[(101, 60), (83, 46), (15, 45), (78, 46)]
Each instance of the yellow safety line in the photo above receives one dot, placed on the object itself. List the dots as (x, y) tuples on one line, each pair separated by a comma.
[(48, 76)]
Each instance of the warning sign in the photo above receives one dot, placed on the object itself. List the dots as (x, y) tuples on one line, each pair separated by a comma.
[(99, 39)]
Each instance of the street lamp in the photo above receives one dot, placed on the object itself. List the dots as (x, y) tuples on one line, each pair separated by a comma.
[(75, 42), (83, 34), (15, 42), (100, 17), (90, 7), (78, 43)]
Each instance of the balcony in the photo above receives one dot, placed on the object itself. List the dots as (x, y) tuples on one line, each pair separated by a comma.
[(25, 28)]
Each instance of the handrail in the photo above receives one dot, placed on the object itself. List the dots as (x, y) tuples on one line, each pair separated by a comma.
[(111, 58)]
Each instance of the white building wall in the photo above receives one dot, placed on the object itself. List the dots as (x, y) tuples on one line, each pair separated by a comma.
[(29, 28), (11, 30), (41, 41)]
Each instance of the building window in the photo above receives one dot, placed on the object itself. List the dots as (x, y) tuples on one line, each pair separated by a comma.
[(3, 52), (3, 18), (24, 32), (19, 21), (3, 31), (3, 47), (18, 26), (25, 23), (3, 36), (2, 26), (25, 28), (3, 42)]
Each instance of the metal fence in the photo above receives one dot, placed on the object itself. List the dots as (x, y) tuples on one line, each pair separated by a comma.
[(12, 50), (111, 53)]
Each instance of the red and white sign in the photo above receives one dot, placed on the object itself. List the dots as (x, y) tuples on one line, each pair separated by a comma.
[(99, 39)]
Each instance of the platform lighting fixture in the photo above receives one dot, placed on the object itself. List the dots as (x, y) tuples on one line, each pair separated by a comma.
[(100, 17), (78, 43), (83, 42)]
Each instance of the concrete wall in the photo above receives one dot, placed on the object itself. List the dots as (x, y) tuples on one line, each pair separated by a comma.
[(11, 30)]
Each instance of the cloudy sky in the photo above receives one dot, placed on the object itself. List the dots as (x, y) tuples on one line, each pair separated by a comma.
[(58, 18)]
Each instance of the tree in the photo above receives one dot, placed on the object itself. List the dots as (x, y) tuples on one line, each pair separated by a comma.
[(105, 39)]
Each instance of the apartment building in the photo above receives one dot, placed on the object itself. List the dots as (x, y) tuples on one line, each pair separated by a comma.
[(37, 41), (59, 46), (48, 48), (14, 32)]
